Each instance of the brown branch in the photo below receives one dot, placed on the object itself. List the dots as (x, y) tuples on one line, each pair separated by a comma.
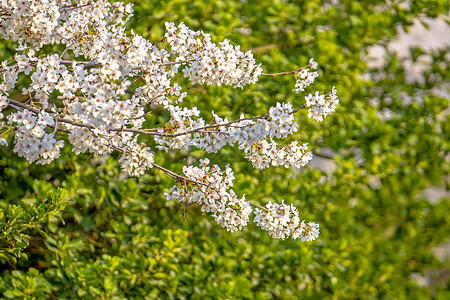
[(185, 204), (256, 205), (286, 73), (74, 6), (178, 62), (203, 129), (94, 64), (281, 73)]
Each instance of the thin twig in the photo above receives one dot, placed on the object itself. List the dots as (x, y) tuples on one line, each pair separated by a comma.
[(185, 203), (281, 73), (286, 73), (56, 127)]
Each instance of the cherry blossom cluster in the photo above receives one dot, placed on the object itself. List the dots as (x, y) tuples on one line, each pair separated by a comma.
[(263, 154), (9, 78), (305, 78), (320, 105), (248, 133), (3, 104), (31, 140), (38, 22), (210, 187), (211, 64), (282, 221), (136, 159), (101, 85)]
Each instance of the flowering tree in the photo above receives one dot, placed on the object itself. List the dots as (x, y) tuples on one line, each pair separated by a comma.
[(97, 92)]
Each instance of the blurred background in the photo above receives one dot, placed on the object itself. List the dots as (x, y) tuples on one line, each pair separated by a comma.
[(378, 184)]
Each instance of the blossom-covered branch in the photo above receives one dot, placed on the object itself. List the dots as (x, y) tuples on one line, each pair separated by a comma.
[(103, 84)]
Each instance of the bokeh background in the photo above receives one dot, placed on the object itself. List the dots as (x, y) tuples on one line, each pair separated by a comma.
[(378, 185)]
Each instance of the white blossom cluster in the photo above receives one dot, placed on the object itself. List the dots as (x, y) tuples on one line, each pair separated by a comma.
[(211, 64), (98, 90), (282, 221), (9, 78), (108, 117), (38, 22), (263, 154), (321, 106), (3, 104), (31, 140), (136, 159), (306, 78), (211, 187), (249, 134), (214, 193)]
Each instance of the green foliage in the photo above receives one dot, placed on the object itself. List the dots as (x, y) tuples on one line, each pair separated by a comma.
[(119, 238), (29, 285), (17, 222)]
